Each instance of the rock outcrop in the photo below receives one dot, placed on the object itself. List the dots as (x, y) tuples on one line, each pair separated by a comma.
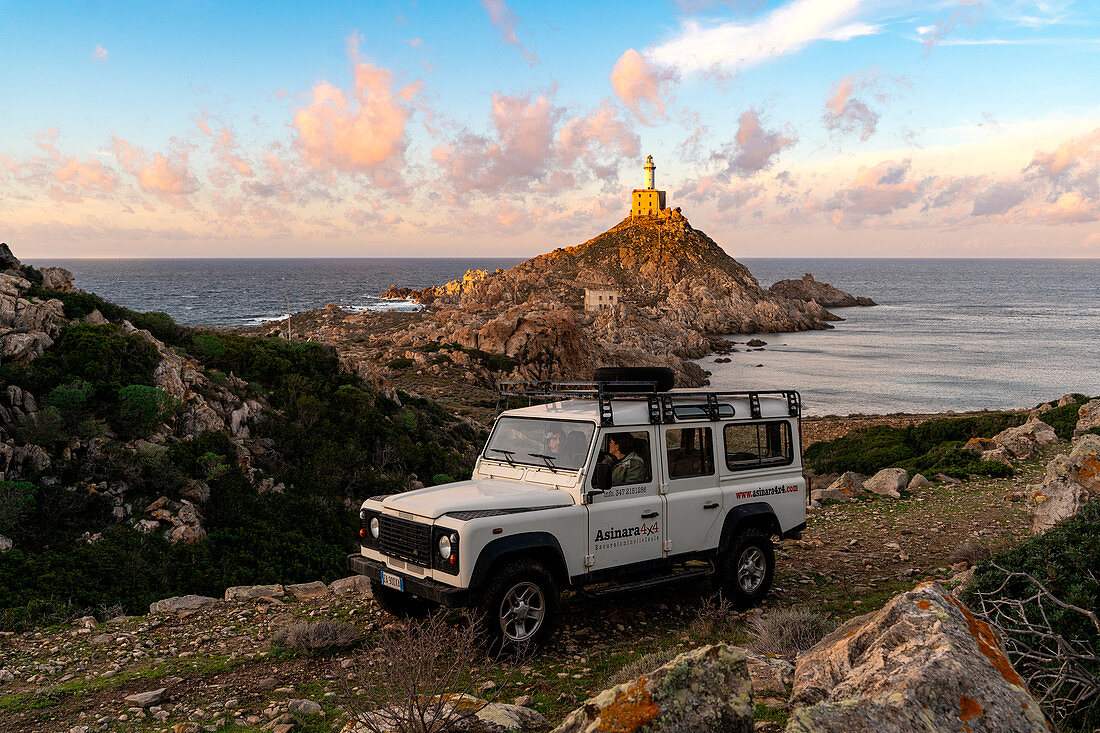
[(888, 482), (923, 662), (1024, 441), (707, 689), (848, 486), (825, 295), (1088, 417), (1070, 482)]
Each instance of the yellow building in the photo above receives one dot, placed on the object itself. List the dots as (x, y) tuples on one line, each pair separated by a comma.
[(647, 201)]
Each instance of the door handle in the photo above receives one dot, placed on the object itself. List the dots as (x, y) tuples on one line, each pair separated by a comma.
[(711, 505), (650, 515)]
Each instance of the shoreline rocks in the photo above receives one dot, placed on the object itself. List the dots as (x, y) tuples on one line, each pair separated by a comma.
[(809, 288)]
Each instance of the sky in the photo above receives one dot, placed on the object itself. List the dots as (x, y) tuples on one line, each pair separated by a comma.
[(809, 128)]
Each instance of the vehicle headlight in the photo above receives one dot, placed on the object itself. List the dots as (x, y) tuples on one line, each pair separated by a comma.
[(445, 547), (374, 526)]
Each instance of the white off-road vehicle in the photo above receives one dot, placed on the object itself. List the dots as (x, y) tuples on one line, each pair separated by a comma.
[(617, 484)]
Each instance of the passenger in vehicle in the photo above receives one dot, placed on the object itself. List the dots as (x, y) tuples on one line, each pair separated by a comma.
[(576, 448), (629, 466)]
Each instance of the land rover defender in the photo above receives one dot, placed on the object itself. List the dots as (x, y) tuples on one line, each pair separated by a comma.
[(617, 484)]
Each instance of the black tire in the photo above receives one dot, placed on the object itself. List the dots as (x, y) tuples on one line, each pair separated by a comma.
[(747, 568), (664, 377), (401, 605), (519, 606)]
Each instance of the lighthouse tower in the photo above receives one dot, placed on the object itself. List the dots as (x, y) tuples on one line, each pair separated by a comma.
[(647, 201)]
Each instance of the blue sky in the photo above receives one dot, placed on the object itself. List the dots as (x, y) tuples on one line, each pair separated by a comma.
[(805, 128)]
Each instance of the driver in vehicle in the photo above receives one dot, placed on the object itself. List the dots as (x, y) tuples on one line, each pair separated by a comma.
[(555, 440), (628, 466)]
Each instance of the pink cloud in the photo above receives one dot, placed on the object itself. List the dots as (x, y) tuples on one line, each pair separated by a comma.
[(363, 132), (165, 176), (845, 113), (228, 161), (877, 191), (967, 11), (1073, 165), (99, 54), (642, 86), (600, 140), (754, 148), (504, 20), (998, 199)]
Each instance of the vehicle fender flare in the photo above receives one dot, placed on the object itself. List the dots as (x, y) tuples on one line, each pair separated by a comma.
[(756, 514), (542, 545)]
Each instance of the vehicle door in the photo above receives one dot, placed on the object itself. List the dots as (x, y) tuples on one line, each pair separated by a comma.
[(626, 522), (692, 492)]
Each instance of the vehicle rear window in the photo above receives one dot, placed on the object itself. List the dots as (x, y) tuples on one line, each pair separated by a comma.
[(757, 445), (690, 452)]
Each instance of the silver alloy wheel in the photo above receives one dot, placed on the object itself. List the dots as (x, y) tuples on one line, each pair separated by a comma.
[(751, 567), (522, 611)]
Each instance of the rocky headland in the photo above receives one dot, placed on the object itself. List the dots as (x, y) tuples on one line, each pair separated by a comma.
[(676, 294), (809, 288)]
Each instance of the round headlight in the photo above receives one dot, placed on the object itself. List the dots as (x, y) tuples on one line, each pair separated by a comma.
[(445, 547), (374, 527)]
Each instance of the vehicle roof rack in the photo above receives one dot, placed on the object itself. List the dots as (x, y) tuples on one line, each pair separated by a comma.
[(661, 404)]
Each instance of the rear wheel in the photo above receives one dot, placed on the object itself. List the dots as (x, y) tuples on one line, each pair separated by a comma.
[(747, 568), (397, 603), (519, 606)]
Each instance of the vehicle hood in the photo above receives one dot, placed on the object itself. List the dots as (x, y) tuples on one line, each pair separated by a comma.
[(435, 501)]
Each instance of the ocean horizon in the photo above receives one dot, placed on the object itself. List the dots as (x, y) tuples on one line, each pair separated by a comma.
[(948, 333)]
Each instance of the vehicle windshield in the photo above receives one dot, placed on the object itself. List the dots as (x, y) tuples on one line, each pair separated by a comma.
[(557, 444)]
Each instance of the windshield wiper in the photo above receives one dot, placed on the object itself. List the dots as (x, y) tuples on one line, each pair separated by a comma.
[(549, 460), (507, 455)]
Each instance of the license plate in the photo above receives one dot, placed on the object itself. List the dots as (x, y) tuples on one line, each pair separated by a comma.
[(393, 581)]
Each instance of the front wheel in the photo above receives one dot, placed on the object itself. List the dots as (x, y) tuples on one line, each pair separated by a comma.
[(747, 568), (519, 606)]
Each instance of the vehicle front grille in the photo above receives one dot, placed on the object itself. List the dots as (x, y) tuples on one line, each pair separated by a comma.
[(407, 540)]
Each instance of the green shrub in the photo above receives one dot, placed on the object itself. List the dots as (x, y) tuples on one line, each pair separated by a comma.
[(16, 502), (71, 397), (1062, 419), (441, 478), (140, 407), (872, 449), (1064, 559), (207, 345), (400, 363)]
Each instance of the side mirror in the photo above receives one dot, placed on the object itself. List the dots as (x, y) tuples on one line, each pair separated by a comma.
[(601, 478)]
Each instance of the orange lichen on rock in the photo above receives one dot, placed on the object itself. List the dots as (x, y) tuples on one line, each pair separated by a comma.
[(969, 708), (630, 710), (923, 605), (988, 643), (1088, 469)]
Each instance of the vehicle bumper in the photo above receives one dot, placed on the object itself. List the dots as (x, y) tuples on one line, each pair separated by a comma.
[(793, 533), (431, 590)]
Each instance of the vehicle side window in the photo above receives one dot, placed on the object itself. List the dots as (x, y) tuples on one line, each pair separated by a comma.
[(690, 452), (628, 455), (756, 445)]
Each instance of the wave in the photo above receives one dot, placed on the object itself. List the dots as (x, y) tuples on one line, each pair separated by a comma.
[(403, 305)]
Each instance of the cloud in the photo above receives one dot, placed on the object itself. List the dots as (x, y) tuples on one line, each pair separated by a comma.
[(99, 54), (600, 141), (845, 113), (518, 153), (228, 163), (504, 20), (724, 48), (1072, 165), (642, 86), (754, 148), (998, 199), (359, 132), (967, 11), (877, 191), (166, 176)]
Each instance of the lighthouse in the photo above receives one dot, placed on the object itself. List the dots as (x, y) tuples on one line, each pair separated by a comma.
[(647, 201)]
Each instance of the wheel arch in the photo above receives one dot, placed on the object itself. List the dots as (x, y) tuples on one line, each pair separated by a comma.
[(540, 546), (757, 515)]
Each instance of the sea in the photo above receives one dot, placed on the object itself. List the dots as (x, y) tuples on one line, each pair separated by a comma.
[(948, 334)]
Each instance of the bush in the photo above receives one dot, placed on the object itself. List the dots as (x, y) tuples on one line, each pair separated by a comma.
[(16, 502), (317, 636), (872, 449), (971, 552), (400, 363), (1062, 419), (207, 345), (140, 407), (788, 631)]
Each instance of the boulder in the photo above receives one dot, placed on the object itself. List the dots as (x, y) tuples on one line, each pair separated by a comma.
[(1070, 481), (5, 543), (180, 603), (923, 663), (308, 591), (917, 481), (1024, 441), (848, 486), (770, 674), (359, 584), (57, 278), (980, 445), (303, 707), (1067, 399), (246, 592), (888, 482), (706, 689), (145, 699), (1088, 417), (999, 455)]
